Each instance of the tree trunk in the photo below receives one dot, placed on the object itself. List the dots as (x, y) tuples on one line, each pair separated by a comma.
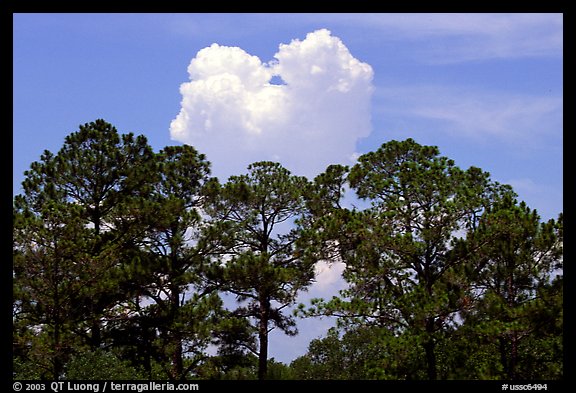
[(513, 356), (430, 349), (57, 362), (504, 356), (176, 339), (177, 365), (511, 300), (96, 334), (263, 339)]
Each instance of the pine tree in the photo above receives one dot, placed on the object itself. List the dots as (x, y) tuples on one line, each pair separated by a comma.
[(181, 316), (257, 263), (69, 251), (516, 272), (401, 270)]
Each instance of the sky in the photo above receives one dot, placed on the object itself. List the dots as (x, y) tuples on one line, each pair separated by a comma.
[(306, 90)]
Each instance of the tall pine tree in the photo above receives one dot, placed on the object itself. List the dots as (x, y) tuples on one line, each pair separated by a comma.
[(66, 233), (516, 274), (173, 318), (255, 214), (400, 268)]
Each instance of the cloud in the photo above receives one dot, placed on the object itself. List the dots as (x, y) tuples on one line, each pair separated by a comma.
[(437, 38), (518, 119), (232, 112), (465, 36), (328, 277)]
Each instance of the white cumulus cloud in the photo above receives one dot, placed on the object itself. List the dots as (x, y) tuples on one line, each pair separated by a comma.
[(232, 112), (328, 277)]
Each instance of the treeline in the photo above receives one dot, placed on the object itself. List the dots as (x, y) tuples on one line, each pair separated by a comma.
[(121, 257)]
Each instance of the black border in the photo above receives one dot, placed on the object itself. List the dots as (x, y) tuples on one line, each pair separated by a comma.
[(10, 7)]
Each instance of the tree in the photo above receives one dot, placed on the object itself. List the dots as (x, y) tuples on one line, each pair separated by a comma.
[(362, 352), (47, 266), (253, 214), (517, 278), (100, 365), (178, 323), (400, 267), (68, 251)]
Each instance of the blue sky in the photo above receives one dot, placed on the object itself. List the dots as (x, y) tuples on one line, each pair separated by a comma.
[(487, 89)]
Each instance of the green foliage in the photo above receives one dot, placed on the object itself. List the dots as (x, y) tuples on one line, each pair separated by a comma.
[(25, 369), (118, 247), (517, 275), (68, 252), (102, 228), (397, 254), (242, 367), (410, 270), (100, 365), (364, 352), (257, 261)]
